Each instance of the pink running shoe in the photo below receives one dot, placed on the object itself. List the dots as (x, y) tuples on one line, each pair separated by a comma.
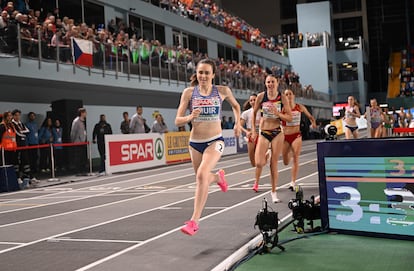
[(190, 228), (222, 181), (255, 187)]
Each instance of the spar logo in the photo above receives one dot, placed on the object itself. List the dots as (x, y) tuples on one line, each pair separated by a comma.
[(159, 148), (132, 151)]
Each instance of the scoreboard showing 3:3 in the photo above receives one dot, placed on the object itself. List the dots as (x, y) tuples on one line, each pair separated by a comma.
[(369, 194)]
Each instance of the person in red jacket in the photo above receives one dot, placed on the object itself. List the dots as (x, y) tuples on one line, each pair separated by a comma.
[(7, 140)]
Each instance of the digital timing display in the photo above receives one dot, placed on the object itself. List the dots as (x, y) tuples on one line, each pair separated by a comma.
[(363, 193)]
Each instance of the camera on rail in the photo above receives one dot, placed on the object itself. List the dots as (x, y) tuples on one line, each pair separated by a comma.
[(304, 209), (330, 132), (268, 222)]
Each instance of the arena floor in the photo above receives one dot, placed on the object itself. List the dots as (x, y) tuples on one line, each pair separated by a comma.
[(131, 221)]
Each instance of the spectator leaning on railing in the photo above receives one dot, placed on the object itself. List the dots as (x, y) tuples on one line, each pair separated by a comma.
[(107, 43)]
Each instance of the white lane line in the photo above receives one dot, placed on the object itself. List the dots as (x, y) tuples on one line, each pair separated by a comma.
[(244, 250), (11, 243), (310, 185), (83, 209), (62, 189), (101, 185), (129, 199), (94, 195), (63, 239), (170, 208), (104, 193), (119, 253), (135, 214)]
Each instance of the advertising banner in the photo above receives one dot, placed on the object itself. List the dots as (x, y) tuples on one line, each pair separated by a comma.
[(138, 151), (133, 151), (176, 147), (230, 143)]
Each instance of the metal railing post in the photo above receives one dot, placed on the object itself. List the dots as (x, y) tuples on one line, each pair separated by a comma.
[(169, 71), (52, 160), (116, 63), (139, 63), (185, 72), (39, 47), (103, 46), (57, 53), (150, 66), (178, 72), (19, 46), (159, 66), (129, 62), (90, 159), (3, 159)]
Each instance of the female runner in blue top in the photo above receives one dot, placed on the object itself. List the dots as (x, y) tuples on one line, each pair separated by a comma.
[(204, 100)]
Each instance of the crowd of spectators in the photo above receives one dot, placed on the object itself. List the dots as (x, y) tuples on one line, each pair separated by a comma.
[(210, 14), (123, 41)]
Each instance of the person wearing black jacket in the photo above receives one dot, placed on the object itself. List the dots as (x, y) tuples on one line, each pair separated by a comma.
[(22, 164), (101, 129)]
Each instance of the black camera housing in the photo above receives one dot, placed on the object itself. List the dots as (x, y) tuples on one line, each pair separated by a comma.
[(330, 131), (268, 223), (304, 209)]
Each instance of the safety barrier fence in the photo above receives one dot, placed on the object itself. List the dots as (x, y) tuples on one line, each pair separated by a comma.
[(52, 148), (403, 130), (158, 64)]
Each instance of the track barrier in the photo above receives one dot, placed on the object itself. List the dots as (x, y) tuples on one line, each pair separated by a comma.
[(52, 147)]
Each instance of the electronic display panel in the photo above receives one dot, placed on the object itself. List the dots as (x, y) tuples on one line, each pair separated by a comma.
[(367, 186), (337, 107)]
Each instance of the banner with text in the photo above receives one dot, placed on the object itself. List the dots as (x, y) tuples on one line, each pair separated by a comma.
[(138, 151), (176, 147), (133, 151)]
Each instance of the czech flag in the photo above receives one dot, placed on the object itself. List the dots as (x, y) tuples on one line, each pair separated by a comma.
[(82, 52)]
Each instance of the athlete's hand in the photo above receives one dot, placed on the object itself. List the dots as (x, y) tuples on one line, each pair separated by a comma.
[(237, 129), (195, 113), (274, 111), (253, 135)]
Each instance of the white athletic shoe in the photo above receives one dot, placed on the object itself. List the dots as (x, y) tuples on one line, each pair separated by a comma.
[(34, 180), (275, 199), (292, 186)]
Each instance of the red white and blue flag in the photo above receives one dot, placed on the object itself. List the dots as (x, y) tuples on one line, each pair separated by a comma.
[(82, 52)]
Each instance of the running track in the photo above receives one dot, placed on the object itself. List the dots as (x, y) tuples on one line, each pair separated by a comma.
[(131, 221)]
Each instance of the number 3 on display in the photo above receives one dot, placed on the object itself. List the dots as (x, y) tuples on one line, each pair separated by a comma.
[(352, 202), (399, 167), (404, 207)]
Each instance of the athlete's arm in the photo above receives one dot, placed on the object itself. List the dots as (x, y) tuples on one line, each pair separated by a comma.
[(307, 114), (243, 124), (356, 113), (256, 108), (181, 119), (286, 115), (228, 95)]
